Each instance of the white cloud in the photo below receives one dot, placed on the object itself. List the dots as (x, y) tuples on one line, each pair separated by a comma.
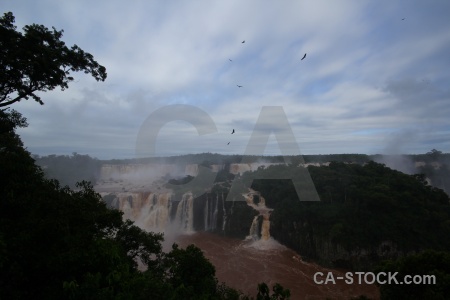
[(367, 73)]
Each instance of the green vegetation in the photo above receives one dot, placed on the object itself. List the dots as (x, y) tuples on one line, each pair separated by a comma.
[(57, 243), (367, 213), (279, 293), (60, 243), (69, 170), (433, 263), (38, 61)]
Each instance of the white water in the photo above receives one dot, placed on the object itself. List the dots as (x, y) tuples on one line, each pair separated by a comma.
[(224, 220), (205, 218), (264, 212), (151, 211), (253, 232), (216, 212), (155, 214), (185, 214)]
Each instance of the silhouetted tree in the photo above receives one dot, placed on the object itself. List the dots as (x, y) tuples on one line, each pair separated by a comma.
[(37, 60)]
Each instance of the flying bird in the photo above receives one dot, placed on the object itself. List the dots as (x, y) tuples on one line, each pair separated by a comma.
[(232, 131), (303, 57), (243, 41), (228, 143), (229, 59), (239, 86), (403, 19)]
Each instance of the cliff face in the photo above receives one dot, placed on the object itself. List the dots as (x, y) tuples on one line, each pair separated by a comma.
[(367, 213), (250, 219), (151, 171), (163, 212), (321, 247), (141, 171)]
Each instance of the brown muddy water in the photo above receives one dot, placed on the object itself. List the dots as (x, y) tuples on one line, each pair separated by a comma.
[(244, 264)]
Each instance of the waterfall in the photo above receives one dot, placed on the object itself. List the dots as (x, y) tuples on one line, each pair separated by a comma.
[(263, 211), (115, 203), (253, 233), (265, 227), (232, 207), (129, 203), (224, 219), (206, 214), (210, 213), (155, 213), (185, 214), (216, 212)]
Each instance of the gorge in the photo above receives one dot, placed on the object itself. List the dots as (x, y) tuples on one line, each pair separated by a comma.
[(234, 235)]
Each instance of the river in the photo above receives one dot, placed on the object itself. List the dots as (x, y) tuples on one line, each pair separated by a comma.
[(244, 264)]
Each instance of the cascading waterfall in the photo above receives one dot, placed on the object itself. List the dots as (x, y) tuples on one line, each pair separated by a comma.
[(206, 214), (158, 212), (130, 204), (185, 214), (232, 207), (115, 202), (155, 214), (264, 212), (265, 227), (216, 212), (254, 229), (212, 213), (224, 219)]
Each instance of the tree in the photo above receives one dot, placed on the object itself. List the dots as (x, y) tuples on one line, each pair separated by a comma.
[(279, 293), (426, 263), (56, 243), (190, 273), (38, 61)]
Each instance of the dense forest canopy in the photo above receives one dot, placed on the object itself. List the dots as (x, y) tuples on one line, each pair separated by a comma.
[(361, 207), (57, 242), (60, 243)]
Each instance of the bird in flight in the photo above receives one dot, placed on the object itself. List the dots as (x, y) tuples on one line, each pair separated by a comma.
[(239, 86), (403, 19), (232, 131), (228, 143), (229, 59), (243, 41), (303, 57)]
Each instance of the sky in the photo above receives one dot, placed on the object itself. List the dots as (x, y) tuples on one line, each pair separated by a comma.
[(376, 78)]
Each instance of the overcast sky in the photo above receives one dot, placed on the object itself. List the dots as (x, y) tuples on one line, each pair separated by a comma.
[(371, 82)]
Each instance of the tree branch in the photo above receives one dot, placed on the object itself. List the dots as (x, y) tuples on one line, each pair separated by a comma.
[(20, 97)]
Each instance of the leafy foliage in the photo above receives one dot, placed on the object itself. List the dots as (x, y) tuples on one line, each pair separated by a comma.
[(38, 60), (279, 293), (363, 208), (56, 243), (428, 262)]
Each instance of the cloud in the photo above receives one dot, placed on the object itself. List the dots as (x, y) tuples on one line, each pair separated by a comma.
[(367, 74)]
